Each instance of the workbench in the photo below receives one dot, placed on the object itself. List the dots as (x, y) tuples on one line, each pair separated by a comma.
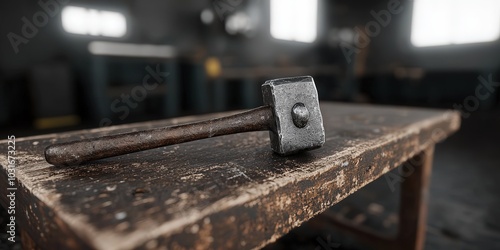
[(229, 192)]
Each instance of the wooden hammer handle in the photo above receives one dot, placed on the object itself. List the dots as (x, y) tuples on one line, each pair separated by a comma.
[(77, 152)]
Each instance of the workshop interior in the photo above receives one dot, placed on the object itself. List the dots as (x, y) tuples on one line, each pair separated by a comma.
[(93, 65)]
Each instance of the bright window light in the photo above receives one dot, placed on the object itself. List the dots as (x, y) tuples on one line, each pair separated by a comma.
[(131, 50), (83, 21), (445, 22), (294, 20)]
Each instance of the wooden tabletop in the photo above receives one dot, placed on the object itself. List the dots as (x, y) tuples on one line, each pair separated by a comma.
[(224, 192)]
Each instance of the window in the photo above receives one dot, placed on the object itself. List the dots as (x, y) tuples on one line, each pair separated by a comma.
[(294, 20), (445, 22), (131, 50), (83, 21)]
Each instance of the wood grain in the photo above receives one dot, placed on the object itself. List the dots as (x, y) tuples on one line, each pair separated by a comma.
[(218, 193)]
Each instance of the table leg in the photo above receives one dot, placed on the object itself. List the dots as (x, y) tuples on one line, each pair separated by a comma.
[(414, 196)]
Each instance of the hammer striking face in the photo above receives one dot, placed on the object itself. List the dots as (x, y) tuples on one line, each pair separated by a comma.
[(298, 124), (291, 114)]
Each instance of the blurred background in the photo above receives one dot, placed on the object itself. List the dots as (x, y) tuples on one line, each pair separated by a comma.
[(67, 65)]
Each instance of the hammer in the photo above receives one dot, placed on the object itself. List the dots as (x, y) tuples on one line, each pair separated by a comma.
[(291, 113)]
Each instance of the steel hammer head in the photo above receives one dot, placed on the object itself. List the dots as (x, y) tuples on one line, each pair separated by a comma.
[(298, 124)]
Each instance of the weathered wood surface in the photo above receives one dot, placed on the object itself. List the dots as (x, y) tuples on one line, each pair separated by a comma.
[(229, 192)]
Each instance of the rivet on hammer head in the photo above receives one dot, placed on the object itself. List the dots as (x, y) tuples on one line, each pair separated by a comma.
[(300, 115)]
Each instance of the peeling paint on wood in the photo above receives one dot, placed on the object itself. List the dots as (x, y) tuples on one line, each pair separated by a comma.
[(218, 193)]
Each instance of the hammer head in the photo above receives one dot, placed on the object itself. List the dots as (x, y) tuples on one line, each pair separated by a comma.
[(298, 123)]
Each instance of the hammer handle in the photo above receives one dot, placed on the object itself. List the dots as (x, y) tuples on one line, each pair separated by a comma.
[(77, 152)]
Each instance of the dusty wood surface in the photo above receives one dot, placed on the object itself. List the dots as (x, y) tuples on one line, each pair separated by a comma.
[(412, 210), (225, 192)]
